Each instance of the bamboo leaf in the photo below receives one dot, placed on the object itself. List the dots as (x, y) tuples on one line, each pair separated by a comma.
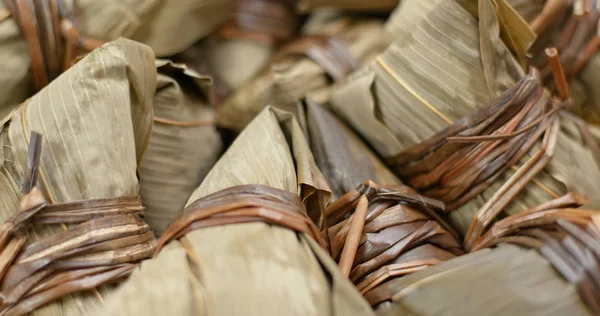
[(152, 22), (184, 144), (434, 76), (523, 272)]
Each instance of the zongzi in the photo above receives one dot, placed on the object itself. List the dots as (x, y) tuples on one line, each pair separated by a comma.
[(224, 255), (96, 121), (403, 102)]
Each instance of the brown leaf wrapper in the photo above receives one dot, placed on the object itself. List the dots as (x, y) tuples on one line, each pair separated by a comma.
[(294, 75), (151, 22), (387, 233), (426, 81), (184, 144), (249, 268), (96, 121)]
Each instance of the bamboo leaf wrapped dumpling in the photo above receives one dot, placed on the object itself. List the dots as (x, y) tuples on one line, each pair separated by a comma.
[(405, 101), (184, 145), (249, 267), (96, 121)]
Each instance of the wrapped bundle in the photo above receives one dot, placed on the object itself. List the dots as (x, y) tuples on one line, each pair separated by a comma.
[(404, 101), (245, 244), (40, 39), (254, 30), (565, 235), (96, 121), (394, 236), (306, 66), (184, 144)]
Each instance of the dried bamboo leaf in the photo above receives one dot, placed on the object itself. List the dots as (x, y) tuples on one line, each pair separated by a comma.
[(426, 81), (183, 300), (342, 157), (250, 268), (293, 75), (218, 56), (528, 286), (184, 144), (95, 118)]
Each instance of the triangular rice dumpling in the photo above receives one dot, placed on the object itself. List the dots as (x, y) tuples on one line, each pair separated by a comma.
[(184, 145), (248, 268), (447, 68), (96, 121)]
